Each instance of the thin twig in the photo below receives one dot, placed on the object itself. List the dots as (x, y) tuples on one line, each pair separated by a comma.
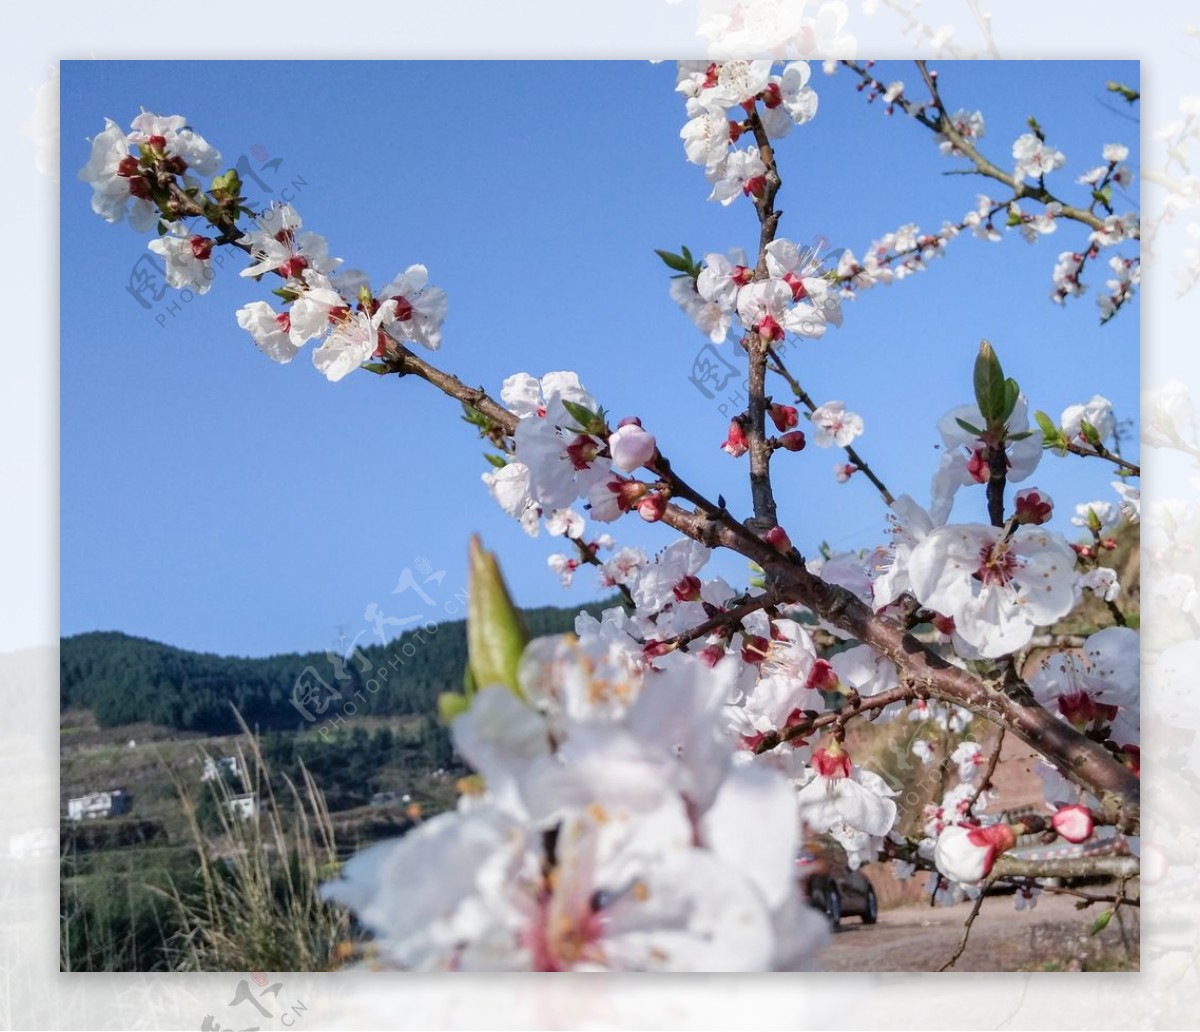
[(962, 943)]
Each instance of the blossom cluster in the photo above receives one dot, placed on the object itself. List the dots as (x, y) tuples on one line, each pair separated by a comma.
[(723, 105), (337, 308)]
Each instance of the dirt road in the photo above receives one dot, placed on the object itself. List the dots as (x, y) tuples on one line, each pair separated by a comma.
[(1051, 937)]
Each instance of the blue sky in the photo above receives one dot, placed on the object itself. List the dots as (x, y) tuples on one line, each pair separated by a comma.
[(214, 500)]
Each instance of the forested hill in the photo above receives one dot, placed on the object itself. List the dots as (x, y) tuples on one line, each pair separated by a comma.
[(124, 680)]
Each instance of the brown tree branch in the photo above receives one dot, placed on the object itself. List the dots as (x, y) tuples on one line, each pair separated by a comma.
[(922, 672)]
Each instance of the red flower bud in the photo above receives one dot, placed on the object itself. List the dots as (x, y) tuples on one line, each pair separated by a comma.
[(784, 417), (1033, 507), (735, 443), (793, 440), (652, 507), (778, 539)]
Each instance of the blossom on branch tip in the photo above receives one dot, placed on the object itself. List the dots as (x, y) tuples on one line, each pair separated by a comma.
[(631, 447), (1034, 157), (1032, 507), (967, 854), (832, 424), (736, 443)]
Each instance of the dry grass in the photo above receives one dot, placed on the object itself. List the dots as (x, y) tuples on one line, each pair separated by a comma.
[(257, 907)]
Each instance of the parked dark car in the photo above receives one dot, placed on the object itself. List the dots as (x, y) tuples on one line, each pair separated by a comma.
[(830, 885)]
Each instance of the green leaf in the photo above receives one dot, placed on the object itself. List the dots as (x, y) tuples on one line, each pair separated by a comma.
[(287, 295), (990, 386), (1133, 620), (675, 261), (1101, 921), (687, 255), (974, 430), (496, 634), (1011, 393), (378, 368), (588, 421), (451, 705), (499, 461), (1021, 436), (1090, 433), (473, 416), (1051, 435), (1014, 218)]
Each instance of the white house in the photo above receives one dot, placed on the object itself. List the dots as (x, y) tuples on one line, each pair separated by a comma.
[(244, 805), (98, 804), (213, 768)]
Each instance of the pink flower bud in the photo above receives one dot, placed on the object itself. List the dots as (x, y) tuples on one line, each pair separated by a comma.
[(768, 329), (843, 471), (967, 854), (652, 507), (1074, 823), (736, 444), (631, 447), (1033, 507), (778, 539), (784, 417)]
